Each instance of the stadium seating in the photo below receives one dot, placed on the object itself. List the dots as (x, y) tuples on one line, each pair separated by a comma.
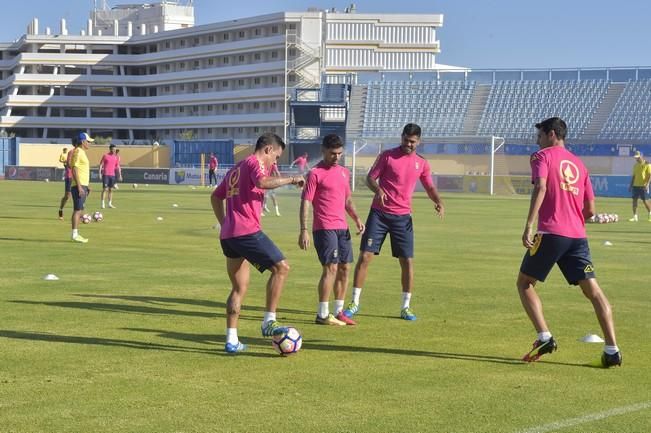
[(438, 107), (631, 117), (513, 107)]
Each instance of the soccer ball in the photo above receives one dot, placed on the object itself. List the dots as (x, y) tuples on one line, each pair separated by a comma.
[(86, 219), (98, 217), (287, 342)]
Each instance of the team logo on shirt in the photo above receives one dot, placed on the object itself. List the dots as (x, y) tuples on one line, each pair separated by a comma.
[(233, 180), (570, 175), (417, 165)]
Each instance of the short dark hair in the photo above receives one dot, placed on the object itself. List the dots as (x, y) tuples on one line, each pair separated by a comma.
[(332, 141), (112, 146), (74, 141), (411, 129), (267, 139), (555, 124)]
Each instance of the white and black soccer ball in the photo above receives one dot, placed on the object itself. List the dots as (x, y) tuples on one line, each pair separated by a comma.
[(86, 218), (287, 342), (98, 217)]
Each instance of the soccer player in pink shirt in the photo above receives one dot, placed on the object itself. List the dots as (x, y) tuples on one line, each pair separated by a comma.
[(562, 199), (108, 167), (301, 163), (271, 193), (393, 178), (212, 166), (237, 204), (327, 187)]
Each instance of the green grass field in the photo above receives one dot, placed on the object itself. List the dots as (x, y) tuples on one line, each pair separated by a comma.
[(130, 338)]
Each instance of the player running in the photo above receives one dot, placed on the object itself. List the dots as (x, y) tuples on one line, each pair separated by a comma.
[(237, 204), (562, 199)]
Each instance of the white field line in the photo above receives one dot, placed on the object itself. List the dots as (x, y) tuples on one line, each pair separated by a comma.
[(558, 425)]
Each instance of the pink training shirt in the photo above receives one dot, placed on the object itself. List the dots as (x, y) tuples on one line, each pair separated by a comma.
[(398, 173), (68, 172), (109, 163), (243, 198), (301, 162), (213, 163), (568, 187), (328, 187)]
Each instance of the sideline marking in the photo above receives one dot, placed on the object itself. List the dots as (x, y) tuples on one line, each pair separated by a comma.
[(588, 418)]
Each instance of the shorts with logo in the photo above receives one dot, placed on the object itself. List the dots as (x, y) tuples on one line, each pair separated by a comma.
[(257, 248), (400, 227), (572, 256), (333, 246), (639, 192), (68, 182), (108, 181), (77, 200)]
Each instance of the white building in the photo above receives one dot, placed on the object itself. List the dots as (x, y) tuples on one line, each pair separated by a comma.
[(145, 72)]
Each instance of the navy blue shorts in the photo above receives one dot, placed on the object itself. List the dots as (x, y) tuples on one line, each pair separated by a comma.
[(333, 246), (108, 181), (639, 192), (400, 227), (571, 255), (257, 248), (68, 182), (77, 201)]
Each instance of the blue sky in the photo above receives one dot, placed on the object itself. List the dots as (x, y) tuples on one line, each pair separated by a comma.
[(478, 34)]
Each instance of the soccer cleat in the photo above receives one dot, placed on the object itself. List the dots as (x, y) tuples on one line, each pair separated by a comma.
[(111, 206), (539, 349), (278, 214), (80, 239), (61, 214), (347, 320), (634, 219), (266, 209), (330, 320), (351, 310), (234, 348), (271, 328), (103, 205), (611, 360), (407, 314)]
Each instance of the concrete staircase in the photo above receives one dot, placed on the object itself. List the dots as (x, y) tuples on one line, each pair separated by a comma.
[(356, 107), (600, 116), (475, 109)]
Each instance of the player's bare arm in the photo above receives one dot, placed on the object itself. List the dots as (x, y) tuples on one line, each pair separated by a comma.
[(304, 235), (352, 212), (218, 208), (537, 197), (273, 182), (433, 194)]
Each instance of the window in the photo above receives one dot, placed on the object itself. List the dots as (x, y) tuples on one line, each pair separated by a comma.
[(256, 105), (272, 104), (224, 83), (292, 52), (274, 29), (257, 32), (256, 129), (240, 58), (182, 43), (181, 86), (274, 80), (211, 62), (196, 41), (274, 54), (195, 86), (224, 130), (167, 109), (210, 84), (209, 131), (240, 130), (167, 44), (182, 65), (197, 64), (256, 80), (211, 38), (167, 67), (181, 109), (224, 107), (240, 106), (226, 60), (257, 56), (226, 36), (167, 88), (240, 83), (241, 34), (210, 108)]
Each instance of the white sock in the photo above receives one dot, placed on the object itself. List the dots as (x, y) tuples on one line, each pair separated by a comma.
[(268, 315), (544, 336), (611, 350), (323, 310), (339, 306), (75, 232), (231, 335), (406, 297), (357, 291), (110, 204)]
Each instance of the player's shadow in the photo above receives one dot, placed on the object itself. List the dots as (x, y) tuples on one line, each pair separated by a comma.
[(216, 341), (162, 300), (11, 217), (40, 240)]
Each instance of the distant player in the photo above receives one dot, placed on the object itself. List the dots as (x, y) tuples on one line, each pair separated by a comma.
[(109, 167), (301, 163), (562, 199), (64, 158), (640, 184), (212, 166), (117, 153), (80, 183), (237, 204), (327, 187), (271, 193), (393, 178)]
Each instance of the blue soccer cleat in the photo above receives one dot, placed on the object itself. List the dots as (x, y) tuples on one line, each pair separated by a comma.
[(351, 310), (234, 348), (407, 314)]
